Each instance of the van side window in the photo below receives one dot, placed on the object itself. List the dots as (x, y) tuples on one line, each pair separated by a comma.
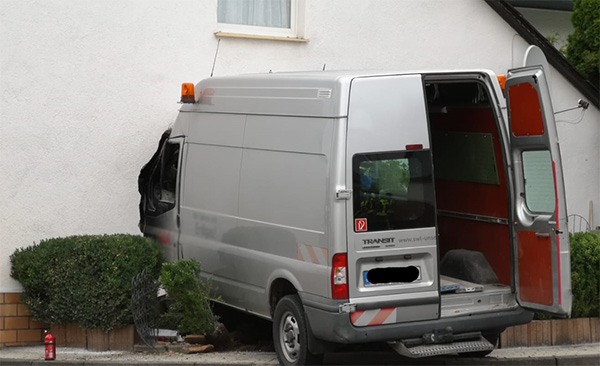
[(539, 181), (393, 191), (163, 181)]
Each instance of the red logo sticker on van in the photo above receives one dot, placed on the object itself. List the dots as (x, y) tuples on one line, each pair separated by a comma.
[(360, 225)]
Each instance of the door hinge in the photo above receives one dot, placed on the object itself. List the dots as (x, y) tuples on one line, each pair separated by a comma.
[(343, 194), (347, 308)]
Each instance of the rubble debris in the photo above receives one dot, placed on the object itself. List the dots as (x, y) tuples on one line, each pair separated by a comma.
[(198, 349), (220, 337), (196, 339)]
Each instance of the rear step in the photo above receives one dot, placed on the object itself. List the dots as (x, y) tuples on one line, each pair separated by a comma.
[(415, 348)]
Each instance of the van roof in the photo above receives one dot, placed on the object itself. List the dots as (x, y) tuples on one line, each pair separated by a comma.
[(309, 93)]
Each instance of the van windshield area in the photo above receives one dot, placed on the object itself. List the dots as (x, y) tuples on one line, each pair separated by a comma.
[(393, 191)]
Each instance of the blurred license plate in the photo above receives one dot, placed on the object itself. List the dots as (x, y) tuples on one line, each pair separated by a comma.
[(393, 275)]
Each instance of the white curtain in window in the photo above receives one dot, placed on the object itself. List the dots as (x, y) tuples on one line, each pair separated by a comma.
[(263, 13)]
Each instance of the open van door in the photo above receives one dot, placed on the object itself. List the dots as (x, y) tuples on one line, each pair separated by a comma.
[(160, 196), (542, 263)]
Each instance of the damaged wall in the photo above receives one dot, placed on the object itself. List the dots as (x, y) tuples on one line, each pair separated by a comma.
[(87, 88)]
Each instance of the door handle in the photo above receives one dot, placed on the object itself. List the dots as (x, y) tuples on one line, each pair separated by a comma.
[(542, 235)]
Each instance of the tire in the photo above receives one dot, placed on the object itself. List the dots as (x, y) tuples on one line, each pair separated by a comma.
[(291, 334), (492, 338)]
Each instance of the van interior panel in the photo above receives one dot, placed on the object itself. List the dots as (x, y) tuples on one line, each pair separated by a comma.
[(535, 255), (488, 199), (489, 238), (470, 178)]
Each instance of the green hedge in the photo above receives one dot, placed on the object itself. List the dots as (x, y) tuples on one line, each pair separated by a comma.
[(84, 279), (585, 274), (191, 312)]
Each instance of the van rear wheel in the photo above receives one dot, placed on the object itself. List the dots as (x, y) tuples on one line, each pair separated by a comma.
[(290, 333)]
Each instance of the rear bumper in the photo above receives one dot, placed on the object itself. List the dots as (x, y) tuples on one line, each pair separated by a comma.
[(329, 325)]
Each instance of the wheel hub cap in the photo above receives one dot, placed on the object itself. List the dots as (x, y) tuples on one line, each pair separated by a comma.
[(289, 337)]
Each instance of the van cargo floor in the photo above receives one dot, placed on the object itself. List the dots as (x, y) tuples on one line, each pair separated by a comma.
[(461, 297), (449, 284)]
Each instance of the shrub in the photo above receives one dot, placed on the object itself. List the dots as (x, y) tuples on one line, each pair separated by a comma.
[(583, 45), (83, 279), (585, 274), (190, 313)]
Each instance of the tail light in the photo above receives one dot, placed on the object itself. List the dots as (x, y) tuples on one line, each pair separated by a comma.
[(339, 276)]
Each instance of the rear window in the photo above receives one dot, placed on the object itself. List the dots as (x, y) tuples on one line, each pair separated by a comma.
[(393, 191), (540, 194)]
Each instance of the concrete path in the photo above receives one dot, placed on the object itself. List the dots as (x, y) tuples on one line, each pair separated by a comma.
[(587, 354)]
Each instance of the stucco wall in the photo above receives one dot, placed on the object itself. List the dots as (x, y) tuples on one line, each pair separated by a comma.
[(87, 87)]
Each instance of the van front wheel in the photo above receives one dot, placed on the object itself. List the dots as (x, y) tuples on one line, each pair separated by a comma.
[(290, 333)]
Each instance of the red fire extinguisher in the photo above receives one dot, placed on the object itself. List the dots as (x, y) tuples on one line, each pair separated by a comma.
[(50, 347)]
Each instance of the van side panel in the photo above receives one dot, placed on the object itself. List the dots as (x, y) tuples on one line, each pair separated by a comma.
[(215, 129), (269, 184), (291, 134), (212, 171), (254, 204), (208, 207), (284, 194)]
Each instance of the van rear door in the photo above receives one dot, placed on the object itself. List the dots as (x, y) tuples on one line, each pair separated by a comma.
[(541, 250), (392, 241)]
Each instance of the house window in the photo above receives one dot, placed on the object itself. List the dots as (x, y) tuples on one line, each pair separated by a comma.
[(278, 18)]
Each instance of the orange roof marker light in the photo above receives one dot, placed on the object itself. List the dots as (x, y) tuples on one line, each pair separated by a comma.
[(187, 93), (502, 81)]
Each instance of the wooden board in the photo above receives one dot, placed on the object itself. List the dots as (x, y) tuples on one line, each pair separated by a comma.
[(539, 333), (552, 333), (97, 340), (75, 336), (121, 339)]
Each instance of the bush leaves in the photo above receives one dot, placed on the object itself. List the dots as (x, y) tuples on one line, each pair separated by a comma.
[(585, 274), (191, 312), (84, 279)]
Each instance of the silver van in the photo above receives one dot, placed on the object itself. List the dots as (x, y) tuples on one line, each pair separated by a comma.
[(425, 209)]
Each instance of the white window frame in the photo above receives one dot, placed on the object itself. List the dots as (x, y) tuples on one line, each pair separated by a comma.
[(296, 29)]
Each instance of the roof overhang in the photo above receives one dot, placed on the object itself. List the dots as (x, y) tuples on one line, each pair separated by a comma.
[(563, 5), (531, 35)]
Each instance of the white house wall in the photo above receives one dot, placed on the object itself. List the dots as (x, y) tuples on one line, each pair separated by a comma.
[(88, 86)]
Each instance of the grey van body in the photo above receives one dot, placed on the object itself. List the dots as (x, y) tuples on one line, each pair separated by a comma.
[(266, 177)]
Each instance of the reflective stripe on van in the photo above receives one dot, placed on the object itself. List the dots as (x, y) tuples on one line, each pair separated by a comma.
[(315, 255), (364, 318)]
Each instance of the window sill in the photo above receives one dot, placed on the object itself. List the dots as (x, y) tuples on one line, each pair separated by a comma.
[(268, 38)]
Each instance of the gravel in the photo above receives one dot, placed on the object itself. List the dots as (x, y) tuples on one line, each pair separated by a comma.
[(589, 352)]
